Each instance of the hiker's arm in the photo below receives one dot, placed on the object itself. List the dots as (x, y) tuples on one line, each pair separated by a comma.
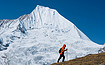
[(65, 50)]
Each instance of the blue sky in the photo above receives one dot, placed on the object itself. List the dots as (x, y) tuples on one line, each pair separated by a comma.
[(87, 15)]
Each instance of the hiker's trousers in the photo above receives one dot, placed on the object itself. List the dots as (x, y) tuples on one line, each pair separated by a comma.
[(61, 55)]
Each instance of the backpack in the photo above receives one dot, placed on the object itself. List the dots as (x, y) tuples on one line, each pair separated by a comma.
[(60, 50)]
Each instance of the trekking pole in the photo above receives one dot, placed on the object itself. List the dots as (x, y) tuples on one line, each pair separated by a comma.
[(67, 54)]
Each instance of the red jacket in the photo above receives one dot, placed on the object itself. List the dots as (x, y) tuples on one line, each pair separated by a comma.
[(63, 49)]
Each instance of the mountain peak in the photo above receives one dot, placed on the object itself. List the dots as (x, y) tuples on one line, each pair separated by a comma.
[(39, 6)]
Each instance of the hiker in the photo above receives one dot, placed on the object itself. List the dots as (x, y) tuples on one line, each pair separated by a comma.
[(61, 51)]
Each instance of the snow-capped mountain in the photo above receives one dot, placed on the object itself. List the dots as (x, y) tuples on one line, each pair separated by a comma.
[(36, 38)]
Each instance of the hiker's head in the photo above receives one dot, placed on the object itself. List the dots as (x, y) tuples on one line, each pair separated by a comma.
[(64, 45)]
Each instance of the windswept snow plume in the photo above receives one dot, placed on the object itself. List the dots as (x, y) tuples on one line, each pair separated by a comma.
[(36, 38)]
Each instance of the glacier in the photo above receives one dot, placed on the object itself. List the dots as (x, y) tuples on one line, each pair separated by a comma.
[(35, 39)]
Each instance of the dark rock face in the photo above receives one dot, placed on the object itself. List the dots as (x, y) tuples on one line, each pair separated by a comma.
[(101, 50)]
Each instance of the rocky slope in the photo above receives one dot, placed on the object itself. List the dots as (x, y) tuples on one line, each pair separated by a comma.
[(94, 59)]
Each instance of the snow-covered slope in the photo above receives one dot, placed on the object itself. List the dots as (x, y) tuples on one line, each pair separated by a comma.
[(35, 39)]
